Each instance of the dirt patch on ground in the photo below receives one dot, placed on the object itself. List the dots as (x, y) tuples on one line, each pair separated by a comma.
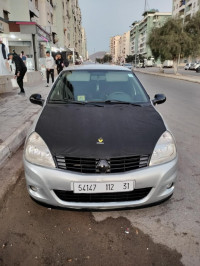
[(35, 235)]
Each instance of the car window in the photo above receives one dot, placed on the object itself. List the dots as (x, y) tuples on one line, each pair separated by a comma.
[(98, 86)]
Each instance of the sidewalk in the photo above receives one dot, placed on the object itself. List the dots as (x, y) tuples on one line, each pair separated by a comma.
[(17, 114)]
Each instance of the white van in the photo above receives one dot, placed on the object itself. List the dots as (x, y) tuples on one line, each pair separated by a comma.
[(168, 63)]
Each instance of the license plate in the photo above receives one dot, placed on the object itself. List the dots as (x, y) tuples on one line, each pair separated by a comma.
[(104, 187)]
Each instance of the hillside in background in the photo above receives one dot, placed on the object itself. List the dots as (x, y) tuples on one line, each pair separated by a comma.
[(97, 55)]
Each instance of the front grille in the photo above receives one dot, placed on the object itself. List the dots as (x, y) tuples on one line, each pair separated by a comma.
[(89, 165), (70, 196)]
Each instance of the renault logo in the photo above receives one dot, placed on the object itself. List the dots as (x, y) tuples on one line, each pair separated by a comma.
[(100, 141), (103, 166)]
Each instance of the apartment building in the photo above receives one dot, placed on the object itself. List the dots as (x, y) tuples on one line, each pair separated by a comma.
[(35, 26), (134, 33), (120, 47), (140, 31), (124, 46), (73, 26), (115, 48), (84, 45), (185, 8)]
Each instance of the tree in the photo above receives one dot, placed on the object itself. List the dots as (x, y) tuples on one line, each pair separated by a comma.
[(107, 58), (130, 58), (192, 28), (134, 58), (170, 42), (99, 60)]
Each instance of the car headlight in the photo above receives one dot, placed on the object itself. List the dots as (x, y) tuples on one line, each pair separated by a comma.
[(164, 151), (37, 152)]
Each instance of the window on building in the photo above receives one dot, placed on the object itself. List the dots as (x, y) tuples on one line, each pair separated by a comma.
[(5, 15), (54, 37), (51, 18), (32, 15), (36, 4)]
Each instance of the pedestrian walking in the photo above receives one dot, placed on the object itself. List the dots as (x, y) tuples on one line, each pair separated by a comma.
[(50, 63), (20, 70), (59, 63)]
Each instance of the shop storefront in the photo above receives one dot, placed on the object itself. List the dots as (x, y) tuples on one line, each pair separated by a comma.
[(30, 38), (4, 32)]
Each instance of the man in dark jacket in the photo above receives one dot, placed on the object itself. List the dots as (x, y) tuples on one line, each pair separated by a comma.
[(20, 70), (59, 63)]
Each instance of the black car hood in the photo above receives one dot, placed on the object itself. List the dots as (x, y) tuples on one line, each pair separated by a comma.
[(100, 132)]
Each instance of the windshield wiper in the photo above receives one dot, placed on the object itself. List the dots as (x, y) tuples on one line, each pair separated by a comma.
[(122, 102), (74, 101), (65, 101)]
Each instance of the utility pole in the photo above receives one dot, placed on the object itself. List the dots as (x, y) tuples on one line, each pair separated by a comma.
[(183, 22)]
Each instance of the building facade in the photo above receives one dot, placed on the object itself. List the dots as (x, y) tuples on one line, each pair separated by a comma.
[(185, 8), (35, 26), (134, 33), (124, 44), (84, 45), (120, 47), (141, 30), (115, 48)]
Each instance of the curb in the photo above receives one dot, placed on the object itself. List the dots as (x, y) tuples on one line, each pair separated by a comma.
[(14, 141), (10, 174), (169, 76)]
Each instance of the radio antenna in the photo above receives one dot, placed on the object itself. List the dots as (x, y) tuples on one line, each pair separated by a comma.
[(146, 6)]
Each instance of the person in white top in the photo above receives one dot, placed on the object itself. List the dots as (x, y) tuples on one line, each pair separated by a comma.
[(50, 64), (3, 58)]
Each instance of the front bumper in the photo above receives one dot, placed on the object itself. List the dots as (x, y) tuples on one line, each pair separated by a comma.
[(160, 178)]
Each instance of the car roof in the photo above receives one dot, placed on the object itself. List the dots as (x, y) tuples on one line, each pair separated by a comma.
[(97, 67)]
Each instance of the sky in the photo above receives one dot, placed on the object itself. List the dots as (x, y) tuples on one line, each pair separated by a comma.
[(103, 19)]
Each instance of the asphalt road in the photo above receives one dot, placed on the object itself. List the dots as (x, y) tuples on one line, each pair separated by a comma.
[(176, 223), (166, 234)]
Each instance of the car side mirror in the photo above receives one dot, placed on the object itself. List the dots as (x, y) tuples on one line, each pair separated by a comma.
[(36, 99), (158, 99)]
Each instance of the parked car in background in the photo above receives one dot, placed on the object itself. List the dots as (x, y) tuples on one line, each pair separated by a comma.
[(198, 69), (187, 66), (168, 63), (197, 65), (194, 65), (148, 63), (128, 65), (99, 142)]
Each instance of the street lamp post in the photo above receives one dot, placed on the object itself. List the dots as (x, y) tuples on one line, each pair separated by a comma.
[(183, 22), (135, 60)]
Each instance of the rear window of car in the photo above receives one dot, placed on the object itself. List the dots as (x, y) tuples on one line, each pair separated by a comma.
[(98, 86)]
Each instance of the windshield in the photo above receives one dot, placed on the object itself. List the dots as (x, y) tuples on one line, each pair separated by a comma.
[(98, 86)]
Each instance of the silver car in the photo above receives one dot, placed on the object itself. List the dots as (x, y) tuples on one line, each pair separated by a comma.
[(129, 66), (99, 143)]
